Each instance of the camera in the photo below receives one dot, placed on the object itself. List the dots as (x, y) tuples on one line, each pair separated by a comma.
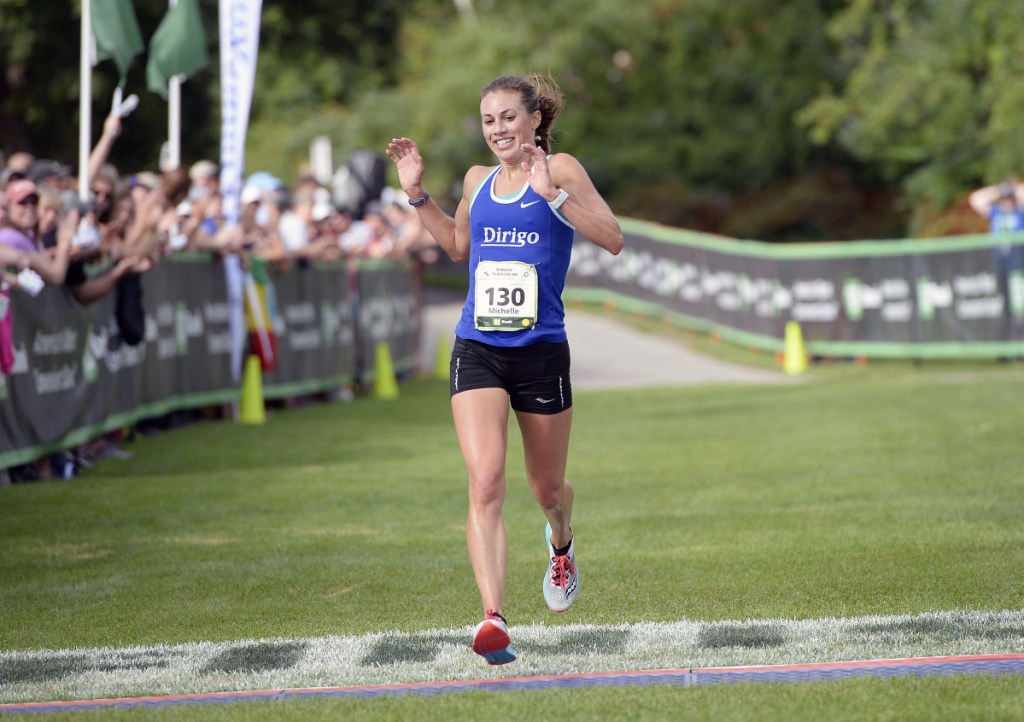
[(84, 206), (70, 200)]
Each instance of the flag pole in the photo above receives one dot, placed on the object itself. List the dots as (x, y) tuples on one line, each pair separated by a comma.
[(174, 122), (85, 102), (174, 114)]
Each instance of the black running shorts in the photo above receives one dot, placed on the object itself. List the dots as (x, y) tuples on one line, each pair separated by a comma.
[(536, 377)]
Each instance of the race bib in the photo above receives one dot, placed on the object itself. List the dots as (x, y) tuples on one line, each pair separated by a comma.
[(506, 296)]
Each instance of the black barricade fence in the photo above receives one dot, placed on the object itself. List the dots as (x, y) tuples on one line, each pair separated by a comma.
[(75, 378), (940, 298), (388, 311), (314, 328)]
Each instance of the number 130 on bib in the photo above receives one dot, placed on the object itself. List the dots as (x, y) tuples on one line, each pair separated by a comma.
[(506, 296)]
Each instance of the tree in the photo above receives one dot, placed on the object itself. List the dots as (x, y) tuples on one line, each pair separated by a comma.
[(932, 92), (317, 57), (39, 87), (703, 92), (37, 41), (744, 117), (665, 96), (313, 52)]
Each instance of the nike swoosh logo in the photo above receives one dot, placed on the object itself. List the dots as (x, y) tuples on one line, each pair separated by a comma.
[(524, 204), (545, 401)]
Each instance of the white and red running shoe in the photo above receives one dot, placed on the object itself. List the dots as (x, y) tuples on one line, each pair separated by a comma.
[(562, 580), (491, 640)]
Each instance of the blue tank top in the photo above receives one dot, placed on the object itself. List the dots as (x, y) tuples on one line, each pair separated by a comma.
[(520, 228)]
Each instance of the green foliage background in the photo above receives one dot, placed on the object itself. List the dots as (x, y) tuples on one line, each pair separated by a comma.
[(933, 95), (776, 120)]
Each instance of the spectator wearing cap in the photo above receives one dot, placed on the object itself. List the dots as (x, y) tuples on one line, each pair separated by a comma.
[(267, 198), (49, 174), (328, 223), (205, 210), (258, 221), (204, 194), (266, 182), (21, 202), (16, 168), (251, 196), (204, 173)]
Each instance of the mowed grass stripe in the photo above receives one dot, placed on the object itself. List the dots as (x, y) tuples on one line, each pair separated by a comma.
[(432, 656)]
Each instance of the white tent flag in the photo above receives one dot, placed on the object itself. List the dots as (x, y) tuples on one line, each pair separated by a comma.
[(239, 45)]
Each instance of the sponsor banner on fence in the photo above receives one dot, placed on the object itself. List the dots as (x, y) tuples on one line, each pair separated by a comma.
[(946, 297), (311, 314), (74, 376), (388, 310)]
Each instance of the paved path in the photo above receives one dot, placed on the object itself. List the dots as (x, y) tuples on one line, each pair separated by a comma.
[(607, 353)]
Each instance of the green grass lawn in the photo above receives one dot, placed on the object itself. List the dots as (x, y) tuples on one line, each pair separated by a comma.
[(887, 491)]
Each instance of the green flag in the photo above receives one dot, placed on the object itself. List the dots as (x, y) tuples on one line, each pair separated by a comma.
[(116, 32), (178, 46)]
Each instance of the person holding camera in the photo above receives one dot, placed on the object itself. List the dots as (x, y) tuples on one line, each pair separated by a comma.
[(1002, 205)]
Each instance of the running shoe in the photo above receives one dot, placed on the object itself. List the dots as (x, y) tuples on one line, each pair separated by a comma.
[(491, 639), (562, 580)]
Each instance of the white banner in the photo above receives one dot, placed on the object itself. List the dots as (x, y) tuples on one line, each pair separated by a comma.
[(239, 45)]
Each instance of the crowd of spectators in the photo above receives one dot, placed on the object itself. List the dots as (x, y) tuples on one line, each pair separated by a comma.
[(102, 244)]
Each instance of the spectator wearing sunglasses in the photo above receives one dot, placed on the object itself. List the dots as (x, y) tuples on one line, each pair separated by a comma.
[(21, 217)]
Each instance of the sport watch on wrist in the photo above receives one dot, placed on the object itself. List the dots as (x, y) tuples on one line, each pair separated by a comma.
[(563, 196)]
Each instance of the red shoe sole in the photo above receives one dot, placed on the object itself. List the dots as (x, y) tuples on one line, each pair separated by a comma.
[(490, 638)]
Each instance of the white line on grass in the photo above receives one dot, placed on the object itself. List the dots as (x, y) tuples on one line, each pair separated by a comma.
[(389, 658)]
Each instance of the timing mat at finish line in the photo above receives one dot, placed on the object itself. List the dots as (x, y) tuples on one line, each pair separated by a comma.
[(996, 664)]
